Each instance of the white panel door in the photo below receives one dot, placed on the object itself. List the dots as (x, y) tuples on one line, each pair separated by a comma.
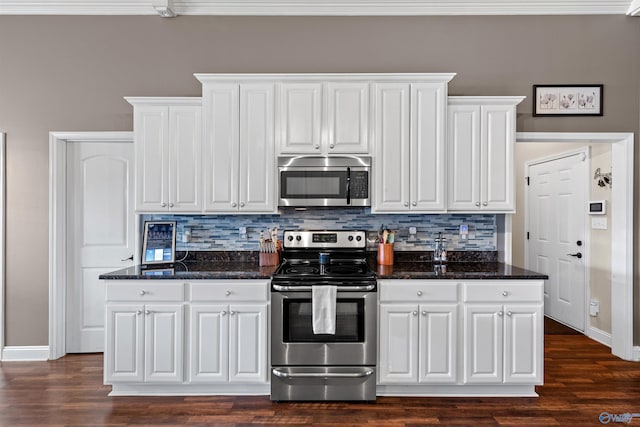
[(100, 227), (300, 118), (391, 162), (556, 215), (348, 117), (398, 344), (523, 337), (483, 346), (221, 147), (497, 139), (464, 157), (125, 332), (438, 343), (428, 127), (248, 343), (209, 343), (164, 347), (185, 128), (257, 158), (151, 127)]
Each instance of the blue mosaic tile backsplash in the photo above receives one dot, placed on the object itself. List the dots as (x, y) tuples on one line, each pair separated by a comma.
[(221, 232)]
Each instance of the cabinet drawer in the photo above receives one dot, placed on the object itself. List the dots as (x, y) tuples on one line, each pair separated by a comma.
[(418, 290), (230, 290), (502, 291), (143, 290)]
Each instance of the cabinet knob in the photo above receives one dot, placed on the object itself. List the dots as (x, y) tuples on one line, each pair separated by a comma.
[(414, 203), (317, 146), (509, 313), (419, 293), (170, 205), (232, 313), (331, 145), (233, 205), (424, 313), (406, 203), (163, 204), (143, 292), (147, 312), (223, 313), (415, 313), (227, 293), (139, 312), (242, 204), (505, 293), (500, 313), (484, 203), (478, 204)]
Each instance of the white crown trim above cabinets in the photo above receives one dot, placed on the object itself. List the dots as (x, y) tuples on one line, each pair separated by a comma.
[(322, 8)]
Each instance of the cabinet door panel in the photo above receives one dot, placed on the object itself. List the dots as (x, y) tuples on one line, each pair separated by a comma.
[(221, 147), (498, 129), (301, 118), (391, 163), (124, 329), (438, 343), (152, 157), (185, 166), (523, 344), (209, 343), (464, 157), (257, 159), (398, 344), (428, 130), (248, 343), (483, 345), (164, 329), (348, 117)]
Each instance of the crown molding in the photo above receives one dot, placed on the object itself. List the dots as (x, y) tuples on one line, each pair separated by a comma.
[(326, 8)]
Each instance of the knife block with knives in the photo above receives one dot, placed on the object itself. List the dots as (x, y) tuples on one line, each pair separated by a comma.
[(269, 249)]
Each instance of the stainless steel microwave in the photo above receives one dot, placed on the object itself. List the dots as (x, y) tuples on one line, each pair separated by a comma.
[(324, 181)]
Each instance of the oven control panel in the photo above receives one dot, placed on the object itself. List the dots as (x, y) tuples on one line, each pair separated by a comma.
[(309, 239)]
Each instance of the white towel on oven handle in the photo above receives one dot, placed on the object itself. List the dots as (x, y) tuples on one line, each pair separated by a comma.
[(323, 302)]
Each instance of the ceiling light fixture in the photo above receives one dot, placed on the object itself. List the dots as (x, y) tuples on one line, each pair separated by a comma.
[(164, 8)]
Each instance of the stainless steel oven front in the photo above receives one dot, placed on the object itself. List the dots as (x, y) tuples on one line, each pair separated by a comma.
[(308, 366)]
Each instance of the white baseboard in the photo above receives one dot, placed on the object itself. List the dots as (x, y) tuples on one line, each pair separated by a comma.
[(599, 335), (25, 353), (636, 354)]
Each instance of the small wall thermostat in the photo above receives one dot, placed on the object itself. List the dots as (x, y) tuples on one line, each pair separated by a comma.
[(597, 207)]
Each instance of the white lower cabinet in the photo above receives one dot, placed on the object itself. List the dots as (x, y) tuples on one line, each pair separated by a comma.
[(145, 343), (228, 343)]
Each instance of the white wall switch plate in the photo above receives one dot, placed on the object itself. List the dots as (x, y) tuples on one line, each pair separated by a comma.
[(599, 223)]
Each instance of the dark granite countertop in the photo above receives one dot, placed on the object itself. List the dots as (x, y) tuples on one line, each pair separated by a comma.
[(245, 265)]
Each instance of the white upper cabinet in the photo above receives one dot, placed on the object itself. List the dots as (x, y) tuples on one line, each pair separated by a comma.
[(481, 139), (324, 118), (239, 160), (167, 133), (409, 139)]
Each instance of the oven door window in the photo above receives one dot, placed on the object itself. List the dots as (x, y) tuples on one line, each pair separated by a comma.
[(313, 185), (298, 326)]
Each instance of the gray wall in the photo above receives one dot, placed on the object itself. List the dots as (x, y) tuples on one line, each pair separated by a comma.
[(70, 74)]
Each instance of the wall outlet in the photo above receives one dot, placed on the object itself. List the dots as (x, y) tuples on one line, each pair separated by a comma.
[(594, 307), (186, 235), (242, 231)]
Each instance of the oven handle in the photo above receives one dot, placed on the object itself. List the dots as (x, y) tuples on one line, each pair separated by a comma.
[(281, 288), (367, 372)]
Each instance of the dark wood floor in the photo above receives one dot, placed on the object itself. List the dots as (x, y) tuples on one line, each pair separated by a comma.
[(582, 380)]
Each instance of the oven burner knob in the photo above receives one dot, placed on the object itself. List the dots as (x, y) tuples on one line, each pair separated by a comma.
[(298, 238), (290, 238), (350, 238), (358, 238)]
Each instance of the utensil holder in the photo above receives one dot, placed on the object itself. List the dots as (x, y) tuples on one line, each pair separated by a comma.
[(269, 258), (385, 253)]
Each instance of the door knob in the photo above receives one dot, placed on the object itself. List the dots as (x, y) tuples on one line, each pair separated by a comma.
[(577, 255), (128, 259)]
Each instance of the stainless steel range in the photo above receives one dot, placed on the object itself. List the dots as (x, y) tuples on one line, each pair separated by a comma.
[(323, 282)]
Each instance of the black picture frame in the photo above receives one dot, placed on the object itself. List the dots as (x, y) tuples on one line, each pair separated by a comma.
[(159, 242), (568, 100)]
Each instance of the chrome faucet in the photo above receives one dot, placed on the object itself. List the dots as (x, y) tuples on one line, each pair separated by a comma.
[(440, 252)]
